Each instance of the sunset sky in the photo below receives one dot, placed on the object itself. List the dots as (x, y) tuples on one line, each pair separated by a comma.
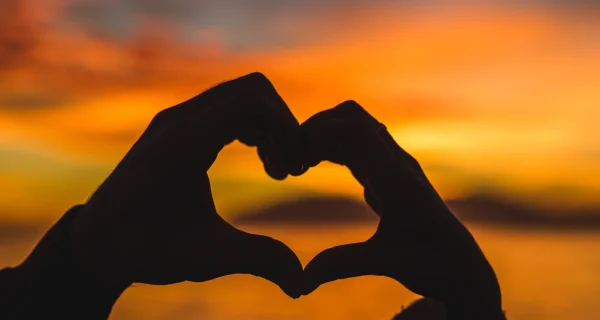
[(502, 98)]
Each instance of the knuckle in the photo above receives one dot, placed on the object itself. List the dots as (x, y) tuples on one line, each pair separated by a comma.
[(256, 79), (161, 118), (158, 118), (412, 161), (351, 105), (162, 127), (356, 116), (353, 109)]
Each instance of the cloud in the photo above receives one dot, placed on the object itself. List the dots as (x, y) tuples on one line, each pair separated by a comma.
[(31, 100), (575, 6), (37, 54), (112, 65), (94, 45), (18, 37), (246, 23), (250, 23)]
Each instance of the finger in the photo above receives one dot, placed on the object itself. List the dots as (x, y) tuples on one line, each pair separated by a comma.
[(355, 127), (348, 135), (329, 133), (343, 136), (342, 262), (373, 201), (267, 258), (351, 109), (254, 113), (269, 116), (272, 160), (233, 95)]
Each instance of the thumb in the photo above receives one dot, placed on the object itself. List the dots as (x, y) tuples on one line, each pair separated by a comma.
[(267, 258), (342, 262)]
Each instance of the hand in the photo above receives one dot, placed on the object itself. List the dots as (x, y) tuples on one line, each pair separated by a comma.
[(418, 242), (154, 221)]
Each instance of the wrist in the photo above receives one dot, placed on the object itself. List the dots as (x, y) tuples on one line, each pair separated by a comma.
[(52, 282), (475, 304), (60, 292), (473, 310)]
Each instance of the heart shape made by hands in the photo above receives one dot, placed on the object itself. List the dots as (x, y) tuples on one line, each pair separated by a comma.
[(153, 220)]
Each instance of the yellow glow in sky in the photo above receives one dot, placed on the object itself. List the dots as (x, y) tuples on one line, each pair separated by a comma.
[(481, 96)]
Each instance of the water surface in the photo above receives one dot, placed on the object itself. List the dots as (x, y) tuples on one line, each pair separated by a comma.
[(544, 275)]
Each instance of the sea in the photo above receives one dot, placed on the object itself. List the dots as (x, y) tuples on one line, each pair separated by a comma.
[(544, 274)]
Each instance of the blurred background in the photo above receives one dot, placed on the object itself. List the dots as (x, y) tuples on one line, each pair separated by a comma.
[(498, 100)]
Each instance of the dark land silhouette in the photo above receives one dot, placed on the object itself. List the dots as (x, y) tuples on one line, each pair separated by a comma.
[(312, 210), (486, 210), (496, 211), (323, 210)]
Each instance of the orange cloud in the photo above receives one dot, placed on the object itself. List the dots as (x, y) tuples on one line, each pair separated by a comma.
[(486, 91)]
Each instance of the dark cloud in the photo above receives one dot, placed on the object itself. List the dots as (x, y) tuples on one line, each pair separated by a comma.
[(256, 23), (31, 100), (245, 23), (152, 52), (39, 53), (566, 4), (18, 36)]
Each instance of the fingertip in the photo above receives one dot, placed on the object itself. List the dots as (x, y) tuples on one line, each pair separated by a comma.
[(295, 161), (296, 172), (275, 173), (291, 154), (308, 289), (294, 295), (291, 282), (314, 273), (291, 290), (278, 264), (272, 161)]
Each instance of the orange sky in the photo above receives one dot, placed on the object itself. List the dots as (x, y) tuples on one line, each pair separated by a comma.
[(502, 98)]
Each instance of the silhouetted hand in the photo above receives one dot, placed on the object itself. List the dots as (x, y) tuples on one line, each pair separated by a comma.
[(418, 242), (154, 221)]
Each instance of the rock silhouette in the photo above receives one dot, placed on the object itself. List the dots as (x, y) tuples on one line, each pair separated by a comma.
[(313, 210), (485, 210)]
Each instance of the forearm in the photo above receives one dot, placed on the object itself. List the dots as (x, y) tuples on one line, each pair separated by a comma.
[(52, 297), (474, 292), (49, 283), (473, 311)]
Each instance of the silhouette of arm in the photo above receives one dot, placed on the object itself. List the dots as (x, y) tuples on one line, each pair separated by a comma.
[(474, 293), (51, 284), (419, 242)]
